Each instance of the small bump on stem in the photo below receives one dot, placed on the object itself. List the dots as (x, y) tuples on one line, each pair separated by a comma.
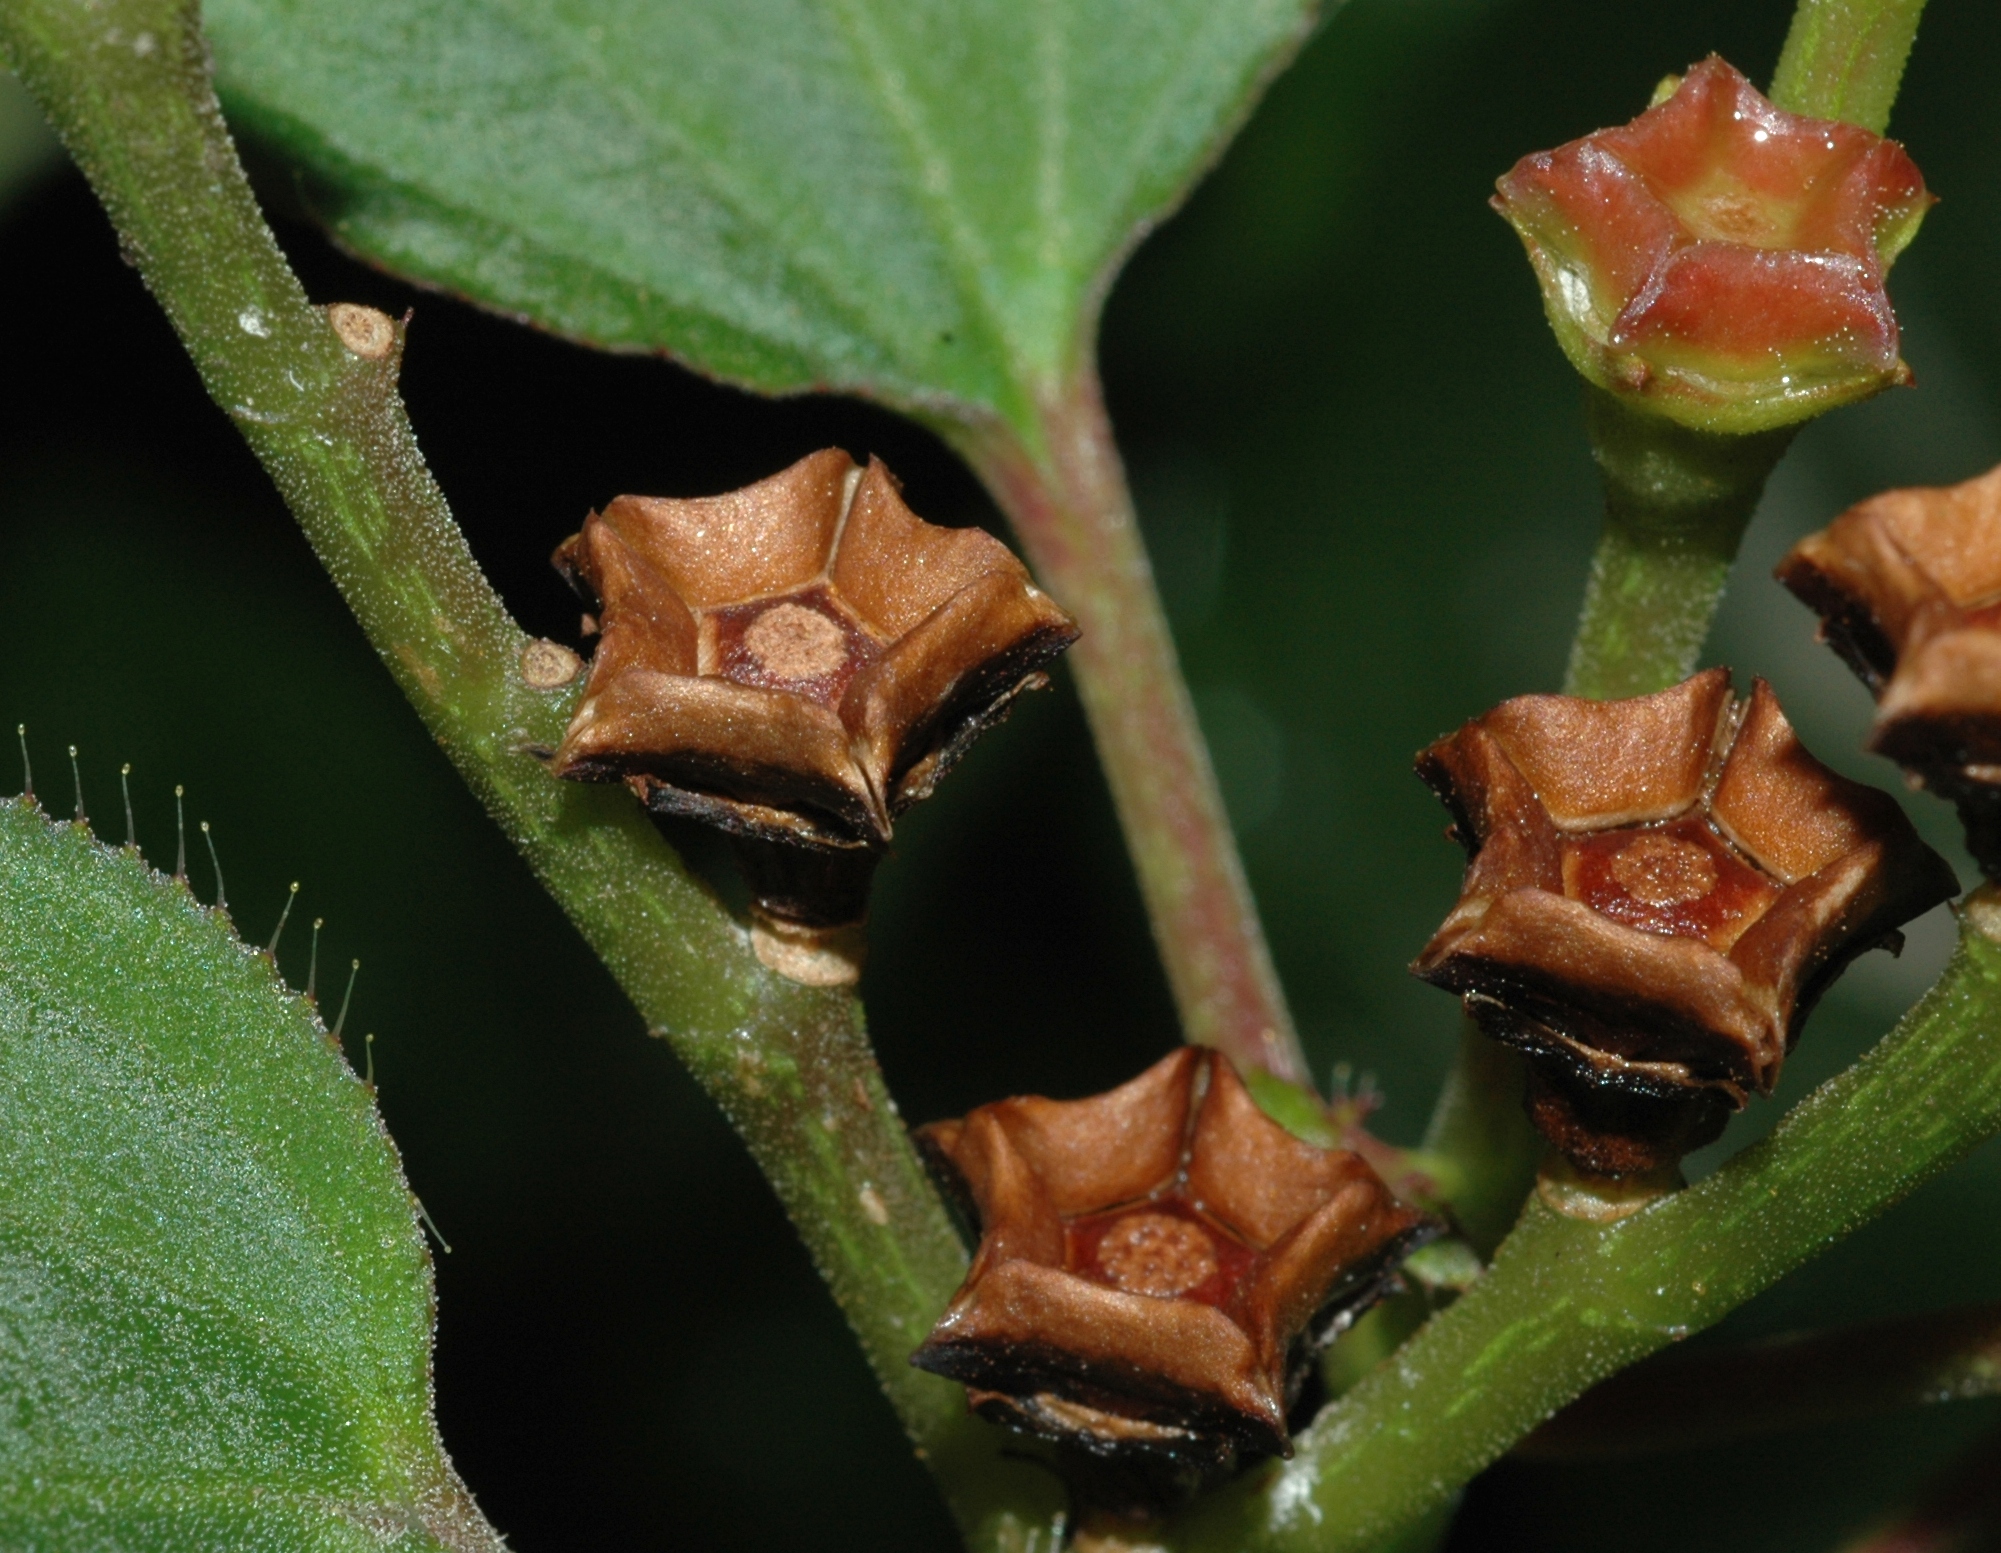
[(367, 332), (1981, 911), (547, 665), (811, 956)]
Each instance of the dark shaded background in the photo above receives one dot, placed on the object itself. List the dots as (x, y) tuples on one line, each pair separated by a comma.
[(1359, 460)]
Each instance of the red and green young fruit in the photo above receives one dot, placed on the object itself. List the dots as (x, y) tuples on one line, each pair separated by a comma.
[(1719, 261)]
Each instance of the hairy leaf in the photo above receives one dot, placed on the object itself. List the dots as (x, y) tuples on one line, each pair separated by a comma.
[(916, 199), (215, 1306)]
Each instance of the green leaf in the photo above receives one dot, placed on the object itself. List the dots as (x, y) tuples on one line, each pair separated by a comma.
[(921, 200), (215, 1305)]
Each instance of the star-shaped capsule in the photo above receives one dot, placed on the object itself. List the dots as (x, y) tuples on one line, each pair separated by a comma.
[(797, 663), (1908, 587), (1718, 260), (1659, 890), (1157, 1263)]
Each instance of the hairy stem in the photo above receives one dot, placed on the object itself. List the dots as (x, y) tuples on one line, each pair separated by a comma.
[(1567, 1303), (126, 84), (1069, 503), (1677, 503), (1716, 1397), (1844, 59), (1481, 1129)]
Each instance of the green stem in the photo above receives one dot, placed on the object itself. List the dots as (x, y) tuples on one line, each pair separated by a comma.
[(1677, 503), (1844, 59), (1676, 1401), (126, 84), (1567, 1303), (1070, 506), (1480, 1128)]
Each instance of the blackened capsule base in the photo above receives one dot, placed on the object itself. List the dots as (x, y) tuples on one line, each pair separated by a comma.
[(809, 907), (1610, 1120)]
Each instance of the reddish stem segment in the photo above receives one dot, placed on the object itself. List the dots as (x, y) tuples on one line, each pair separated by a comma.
[(1070, 506), (1959, 1513)]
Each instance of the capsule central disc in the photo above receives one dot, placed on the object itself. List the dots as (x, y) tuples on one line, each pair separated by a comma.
[(790, 641), (1664, 870), (1154, 1253), (1725, 210)]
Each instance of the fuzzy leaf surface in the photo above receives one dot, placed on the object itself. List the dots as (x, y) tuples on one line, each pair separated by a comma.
[(919, 200), (215, 1307)]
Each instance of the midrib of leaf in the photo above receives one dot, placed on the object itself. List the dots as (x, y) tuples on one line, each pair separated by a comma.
[(969, 262), (1052, 165), (1131, 215), (723, 180), (978, 279)]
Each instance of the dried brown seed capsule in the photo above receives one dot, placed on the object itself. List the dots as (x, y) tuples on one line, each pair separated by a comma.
[(1908, 587), (1659, 890), (1156, 1263), (797, 663)]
